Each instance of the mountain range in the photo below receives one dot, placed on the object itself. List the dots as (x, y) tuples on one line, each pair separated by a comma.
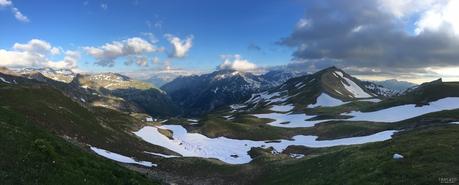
[(225, 127)]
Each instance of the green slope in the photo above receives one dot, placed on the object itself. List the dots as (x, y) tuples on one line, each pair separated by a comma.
[(430, 153), (31, 155)]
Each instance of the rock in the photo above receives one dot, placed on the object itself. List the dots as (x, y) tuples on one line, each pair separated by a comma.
[(397, 156)]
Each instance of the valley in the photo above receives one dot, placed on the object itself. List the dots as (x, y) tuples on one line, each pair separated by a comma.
[(295, 132)]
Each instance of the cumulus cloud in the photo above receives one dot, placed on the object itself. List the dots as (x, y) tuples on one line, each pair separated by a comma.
[(17, 14), (36, 53), (4, 3), (180, 47), (134, 48), (236, 62), (378, 36)]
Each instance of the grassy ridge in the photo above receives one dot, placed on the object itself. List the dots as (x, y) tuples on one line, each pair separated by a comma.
[(101, 127), (430, 153), (31, 155)]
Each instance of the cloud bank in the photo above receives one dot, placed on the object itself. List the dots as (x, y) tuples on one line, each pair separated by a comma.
[(180, 47), (370, 37), (37, 53), (134, 49), (236, 62)]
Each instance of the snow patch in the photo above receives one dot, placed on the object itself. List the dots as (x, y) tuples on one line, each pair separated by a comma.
[(5, 81), (403, 112), (234, 151), (162, 155), (374, 100), (353, 88), (120, 158), (282, 108), (296, 156), (193, 121), (325, 100), (289, 120), (397, 156)]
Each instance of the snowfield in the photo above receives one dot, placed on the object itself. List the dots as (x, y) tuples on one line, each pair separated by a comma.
[(403, 112), (289, 120), (120, 158), (5, 81), (234, 151), (374, 100), (325, 100), (353, 88), (282, 108), (162, 155), (268, 97)]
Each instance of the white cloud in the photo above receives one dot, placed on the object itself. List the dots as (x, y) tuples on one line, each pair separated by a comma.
[(36, 53), (36, 46), (70, 61), (439, 16), (4, 3), (403, 8), (236, 62), (17, 14), (303, 24), (135, 48), (180, 47), (431, 15)]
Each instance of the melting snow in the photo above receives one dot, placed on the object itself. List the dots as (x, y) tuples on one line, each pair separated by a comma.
[(289, 120), (234, 151), (397, 156), (353, 88), (403, 112), (193, 121), (162, 155), (324, 100), (375, 100), (282, 108), (269, 97), (120, 158), (296, 156), (3, 80)]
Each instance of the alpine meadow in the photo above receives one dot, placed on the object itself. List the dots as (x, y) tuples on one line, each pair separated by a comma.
[(203, 92)]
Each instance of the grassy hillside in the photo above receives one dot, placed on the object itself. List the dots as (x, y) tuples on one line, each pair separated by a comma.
[(31, 155), (50, 109), (430, 153)]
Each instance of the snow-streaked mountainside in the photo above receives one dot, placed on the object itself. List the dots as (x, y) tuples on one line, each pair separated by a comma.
[(143, 95), (110, 81), (308, 123), (279, 76), (234, 151), (61, 75), (395, 85), (380, 89), (330, 85), (199, 94)]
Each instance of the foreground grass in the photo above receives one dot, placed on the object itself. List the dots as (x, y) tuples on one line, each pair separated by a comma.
[(430, 153), (31, 155)]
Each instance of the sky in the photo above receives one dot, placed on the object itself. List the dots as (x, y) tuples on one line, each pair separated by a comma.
[(412, 40)]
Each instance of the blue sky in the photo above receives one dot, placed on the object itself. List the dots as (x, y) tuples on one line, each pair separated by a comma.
[(413, 40), (217, 27)]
